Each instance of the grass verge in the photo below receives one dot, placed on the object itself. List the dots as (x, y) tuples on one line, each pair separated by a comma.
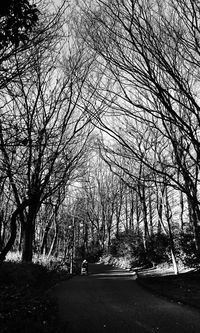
[(183, 288)]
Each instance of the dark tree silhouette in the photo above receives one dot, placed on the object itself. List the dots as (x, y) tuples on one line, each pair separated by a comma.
[(17, 18)]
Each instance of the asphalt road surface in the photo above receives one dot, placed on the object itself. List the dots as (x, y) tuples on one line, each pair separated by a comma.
[(110, 300)]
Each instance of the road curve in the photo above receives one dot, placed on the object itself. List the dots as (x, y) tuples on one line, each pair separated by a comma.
[(110, 300)]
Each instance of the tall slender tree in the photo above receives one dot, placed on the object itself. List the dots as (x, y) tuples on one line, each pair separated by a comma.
[(44, 129), (150, 53)]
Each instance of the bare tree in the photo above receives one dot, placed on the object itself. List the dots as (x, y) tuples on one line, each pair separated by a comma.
[(150, 52), (44, 129)]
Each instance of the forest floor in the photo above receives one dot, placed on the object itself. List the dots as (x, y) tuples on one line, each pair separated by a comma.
[(26, 307), (24, 302)]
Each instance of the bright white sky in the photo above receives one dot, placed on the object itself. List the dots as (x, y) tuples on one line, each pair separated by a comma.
[(57, 2)]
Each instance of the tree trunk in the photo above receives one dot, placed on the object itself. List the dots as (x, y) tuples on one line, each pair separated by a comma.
[(142, 195), (137, 214), (20, 237), (118, 208), (1, 230), (44, 241), (195, 216), (126, 212), (193, 209), (159, 206), (131, 225), (171, 238), (27, 246), (175, 265), (103, 233), (29, 233), (53, 244), (150, 214), (182, 210), (117, 225), (109, 237), (85, 238), (159, 210), (13, 230)]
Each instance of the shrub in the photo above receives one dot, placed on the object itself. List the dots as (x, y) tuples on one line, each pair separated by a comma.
[(187, 250), (130, 245), (158, 248), (94, 252)]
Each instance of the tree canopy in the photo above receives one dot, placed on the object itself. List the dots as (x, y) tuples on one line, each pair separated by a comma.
[(17, 18)]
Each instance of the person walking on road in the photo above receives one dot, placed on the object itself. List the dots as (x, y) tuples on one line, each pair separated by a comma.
[(84, 267)]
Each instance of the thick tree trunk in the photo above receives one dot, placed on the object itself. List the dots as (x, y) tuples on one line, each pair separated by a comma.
[(1, 230), (27, 247), (193, 209), (195, 216), (13, 230), (29, 233)]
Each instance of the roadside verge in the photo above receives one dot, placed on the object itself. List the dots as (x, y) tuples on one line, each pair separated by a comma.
[(182, 289)]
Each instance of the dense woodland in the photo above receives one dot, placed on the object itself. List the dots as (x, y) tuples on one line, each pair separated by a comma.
[(99, 130)]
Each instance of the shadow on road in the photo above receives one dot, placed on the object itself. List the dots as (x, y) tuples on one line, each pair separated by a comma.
[(101, 271)]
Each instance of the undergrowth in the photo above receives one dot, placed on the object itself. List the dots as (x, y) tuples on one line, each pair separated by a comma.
[(24, 302)]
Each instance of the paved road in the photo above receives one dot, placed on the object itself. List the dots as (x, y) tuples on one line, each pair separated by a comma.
[(110, 300)]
